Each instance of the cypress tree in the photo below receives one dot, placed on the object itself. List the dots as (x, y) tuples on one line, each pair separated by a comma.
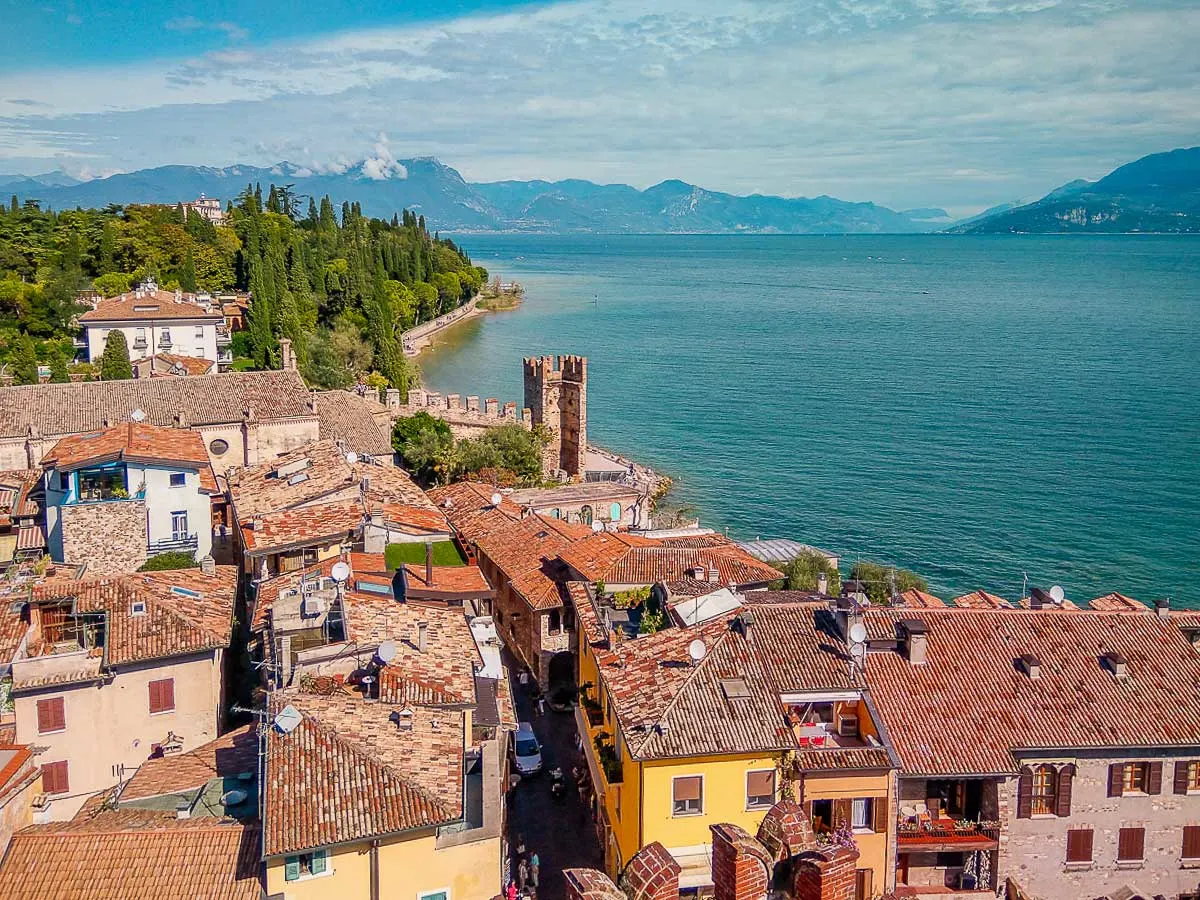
[(328, 219), (114, 362), (13, 204), (24, 362), (58, 368), (312, 212), (187, 275)]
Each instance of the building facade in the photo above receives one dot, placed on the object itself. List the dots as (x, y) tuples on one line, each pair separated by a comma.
[(155, 321)]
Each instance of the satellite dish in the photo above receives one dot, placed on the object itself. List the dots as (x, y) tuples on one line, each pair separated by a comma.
[(233, 798), (597, 527), (137, 416), (1057, 595), (340, 572), (858, 632), (351, 457), (496, 498), (696, 650), (386, 651), (287, 720)]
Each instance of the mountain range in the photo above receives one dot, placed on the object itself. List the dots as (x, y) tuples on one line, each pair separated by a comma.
[(1157, 193), (450, 203)]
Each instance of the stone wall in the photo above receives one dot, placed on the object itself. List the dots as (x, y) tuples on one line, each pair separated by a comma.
[(466, 416), (556, 395), (110, 537)]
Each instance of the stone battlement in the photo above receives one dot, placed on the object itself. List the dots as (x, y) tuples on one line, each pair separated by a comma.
[(468, 412), (556, 368)]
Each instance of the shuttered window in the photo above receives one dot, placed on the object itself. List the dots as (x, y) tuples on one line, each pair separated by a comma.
[(1131, 844), (687, 795), (760, 789), (1045, 787), (879, 807), (162, 695), (1062, 803), (1191, 842), (1079, 845), (55, 779), (1025, 793), (51, 715)]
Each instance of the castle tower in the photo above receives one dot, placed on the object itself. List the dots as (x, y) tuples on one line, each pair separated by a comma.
[(556, 396)]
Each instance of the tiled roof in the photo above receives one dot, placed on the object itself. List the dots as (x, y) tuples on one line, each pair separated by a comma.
[(13, 626), (137, 307), (15, 488), (186, 610), (980, 600), (349, 418), (799, 644), (259, 489), (1115, 602), (838, 758), (163, 364), (58, 409), (443, 673), (585, 611), (575, 493), (273, 532), (229, 755), (117, 857), (346, 772), (362, 565), (920, 599), (970, 705), (628, 559), (134, 442), (452, 579), (669, 706)]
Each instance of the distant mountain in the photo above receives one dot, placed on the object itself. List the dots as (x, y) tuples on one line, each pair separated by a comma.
[(1157, 193), (450, 203)]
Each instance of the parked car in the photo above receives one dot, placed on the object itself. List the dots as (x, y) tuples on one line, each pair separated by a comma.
[(527, 751)]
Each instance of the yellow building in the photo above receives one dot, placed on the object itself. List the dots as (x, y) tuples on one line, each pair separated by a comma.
[(714, 722)]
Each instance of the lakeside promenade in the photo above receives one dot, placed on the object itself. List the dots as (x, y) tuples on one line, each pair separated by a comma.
[(417, 338)]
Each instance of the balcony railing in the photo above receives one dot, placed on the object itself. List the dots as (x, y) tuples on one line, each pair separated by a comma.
[(189, 542), (223, 335), (79, 343), (942, 833), (140, 343)]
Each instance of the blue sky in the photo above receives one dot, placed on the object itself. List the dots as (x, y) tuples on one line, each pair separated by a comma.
[(954, 103)]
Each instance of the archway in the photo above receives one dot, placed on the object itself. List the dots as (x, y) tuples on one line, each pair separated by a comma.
[(585, 515), (560, 680)]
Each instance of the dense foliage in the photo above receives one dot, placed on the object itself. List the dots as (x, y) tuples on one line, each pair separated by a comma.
[(114, 361), (504, 455), (341, 286), (881, 582), (803, 572), (172, 559)]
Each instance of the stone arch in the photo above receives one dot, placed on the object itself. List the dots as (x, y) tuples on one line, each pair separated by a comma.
[(785, 831), (585, 515)]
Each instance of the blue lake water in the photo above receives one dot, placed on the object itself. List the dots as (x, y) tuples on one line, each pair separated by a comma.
[(974, 408)]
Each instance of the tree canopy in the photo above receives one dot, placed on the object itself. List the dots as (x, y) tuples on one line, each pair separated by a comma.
[(114, 362), (507, 454)]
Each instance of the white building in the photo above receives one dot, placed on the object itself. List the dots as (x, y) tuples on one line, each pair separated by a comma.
[(157, 321), (118, 496), (206, 207)]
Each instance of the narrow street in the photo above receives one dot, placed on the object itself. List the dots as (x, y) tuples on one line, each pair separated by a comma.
[(559, 831)]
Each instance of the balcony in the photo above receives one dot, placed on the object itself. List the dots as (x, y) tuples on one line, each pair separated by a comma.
[(165, 342), (945, 835), (140, 343), (79, 343), (223, 335), (175, 543)]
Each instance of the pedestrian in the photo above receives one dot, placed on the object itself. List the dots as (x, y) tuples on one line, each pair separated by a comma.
[(541, 705), (522, 874), (511, 892), (520, 846), (523, 678), (534, 864)]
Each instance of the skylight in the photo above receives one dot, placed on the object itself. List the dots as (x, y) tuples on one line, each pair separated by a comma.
[(186, 592)]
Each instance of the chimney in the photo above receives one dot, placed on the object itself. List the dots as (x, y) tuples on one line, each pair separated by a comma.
[(285, 660), (1031, 666), (422, 636), (287, 356), (208, 565), (1162, 607), (1117, 664), (744, 622), (1039, 598), (915, 638), (822, 583), (429, 563), (181, 420), (714, 575)]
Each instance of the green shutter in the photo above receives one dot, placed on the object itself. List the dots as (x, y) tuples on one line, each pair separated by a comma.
[(291, 868), (317, 866)]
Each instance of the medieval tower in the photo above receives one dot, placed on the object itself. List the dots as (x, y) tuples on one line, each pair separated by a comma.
[(556, 396)]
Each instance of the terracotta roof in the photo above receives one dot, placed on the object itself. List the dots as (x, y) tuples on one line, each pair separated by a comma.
[(799, 644), (163, 364), (134, 442), (441, 674), (616, 558), (116, 857), (273, 532), (920, 599), (1115, 602), (32, 536), (16, 485), (227, 756), (970, 706), (13, 626), (838, 758), (448, 579), (592, 628), (980, 600), (347, 772), (186, 611), (574, 493), (138, 307), (349, 418), (59, 409), (669, 706)]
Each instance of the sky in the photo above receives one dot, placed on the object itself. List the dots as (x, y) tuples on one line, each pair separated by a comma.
[(957, 104)]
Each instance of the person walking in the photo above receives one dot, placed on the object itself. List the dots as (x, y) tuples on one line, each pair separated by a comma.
[(534, 864), (522, 874), (510, 892)]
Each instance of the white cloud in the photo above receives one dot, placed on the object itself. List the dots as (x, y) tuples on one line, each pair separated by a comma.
[(907, 102), (231, 30)]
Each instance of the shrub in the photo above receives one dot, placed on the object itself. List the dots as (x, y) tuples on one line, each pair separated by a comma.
[(172, 559)]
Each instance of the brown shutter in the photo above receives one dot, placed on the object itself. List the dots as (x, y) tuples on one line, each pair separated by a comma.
[(162, 695), (687, 788), (1191, 842), (1062, 805), (879, 815), (1131, 844), (55, 779), (760, 784), (1116, 775), (1079, 845), (1025, 793), (1181, 776), (51, 715), (863, 884), (1154, 781), (168, 693), (842, 812)]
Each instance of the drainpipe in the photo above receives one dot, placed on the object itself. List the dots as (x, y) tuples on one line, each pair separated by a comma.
[(374, 870)]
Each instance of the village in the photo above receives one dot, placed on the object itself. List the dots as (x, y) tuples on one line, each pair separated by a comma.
[(356, 687)]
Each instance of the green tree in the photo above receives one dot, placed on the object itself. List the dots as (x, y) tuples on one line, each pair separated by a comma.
[(114, 362), (427, 301), (803, 573), (880, 581), (59, 373), (113, 283), (24, 362), (407, 428)]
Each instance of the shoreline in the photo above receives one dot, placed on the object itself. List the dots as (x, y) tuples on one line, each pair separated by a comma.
[(419, 338)]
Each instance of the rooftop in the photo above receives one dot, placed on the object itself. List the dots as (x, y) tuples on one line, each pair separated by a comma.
[(348, 418), (163, 364), (1075, 702), (134, 442), (146, 306), (782, 550), (573, 493), (229, 756), (290, 528), (616, 558)]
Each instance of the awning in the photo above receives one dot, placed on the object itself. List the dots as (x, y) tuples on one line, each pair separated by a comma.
[(32, 536)]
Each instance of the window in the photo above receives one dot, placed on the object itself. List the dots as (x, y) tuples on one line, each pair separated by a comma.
[(199, 332), (51, 715), (687, 795), (435, 895), (863, 884), (1134, 778), (178, 479), (585, 515), (760, 789), (64, 481), (165, 337), (1193, 776), (305, 865), (822, 816), (162, 695), (1044, 784), (1191, 842), (1079, 845), (137, 608), (218, 446), (554, 620), (860, 813), (614, 512), (1131, 844), (1187, 776), (54, 778), (179, 525)]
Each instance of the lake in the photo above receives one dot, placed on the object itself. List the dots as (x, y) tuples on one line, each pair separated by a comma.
[(974, 408)]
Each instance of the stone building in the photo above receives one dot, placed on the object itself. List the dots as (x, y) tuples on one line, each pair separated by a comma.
[(556, 396)]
